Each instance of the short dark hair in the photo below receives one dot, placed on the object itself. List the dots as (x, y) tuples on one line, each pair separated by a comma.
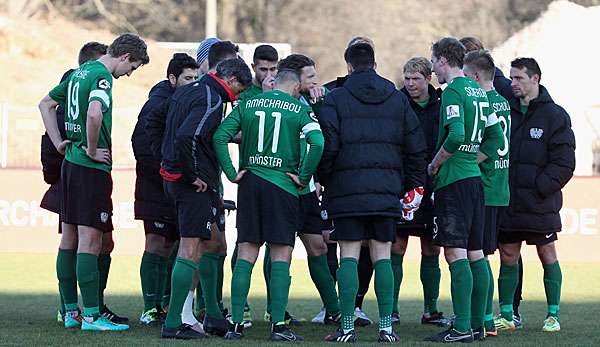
[(482, 61), (451, 49), (235, 67), (132, 44), (220, 51), (265, 52), (471, 43), (287, 75), (91, 51), (360, 56), (531, 66), (295, 62), (179, 62)]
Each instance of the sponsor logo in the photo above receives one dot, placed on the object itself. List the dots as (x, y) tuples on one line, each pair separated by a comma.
[(452, 111), (104, 217), (159, 225), (536, 133), (104, 84), (549, 235)]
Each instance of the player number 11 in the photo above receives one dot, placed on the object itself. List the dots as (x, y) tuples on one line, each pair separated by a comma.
[(261, 130)]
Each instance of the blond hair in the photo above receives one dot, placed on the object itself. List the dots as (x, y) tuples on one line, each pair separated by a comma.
[(418, 65)]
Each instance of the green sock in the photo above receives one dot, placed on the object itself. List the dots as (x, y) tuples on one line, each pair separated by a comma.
[(181, 282), (461, 287), (384, 286), (104, 261), (161, 281), (61, 302), (397, 269), (479, 295), (508, 279), (488, 318), (66, 264), (347, 278), (149, 275), (321, 277), (88, 278), (279, 287), (220, 276), (199, 303), (430, 279), (168, 278), (552, 285), (267, 274), (208, 272), (240, 285)]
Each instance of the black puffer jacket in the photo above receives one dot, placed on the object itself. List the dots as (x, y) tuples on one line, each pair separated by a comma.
[(542, 161), (502, 85), (429, 117), (150, 200), (374, 148)]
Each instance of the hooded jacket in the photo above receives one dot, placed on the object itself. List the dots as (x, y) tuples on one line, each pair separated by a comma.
[(542, 161), (374, 148)]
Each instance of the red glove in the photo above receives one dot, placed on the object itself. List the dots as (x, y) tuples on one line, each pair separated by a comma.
[(411, 202)]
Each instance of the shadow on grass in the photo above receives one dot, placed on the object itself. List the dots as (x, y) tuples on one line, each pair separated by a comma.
[(30, 319)]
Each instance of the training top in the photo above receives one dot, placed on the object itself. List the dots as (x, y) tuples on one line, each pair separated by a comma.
[(466, 103), (315, 105), (271, 124), (90, 82)]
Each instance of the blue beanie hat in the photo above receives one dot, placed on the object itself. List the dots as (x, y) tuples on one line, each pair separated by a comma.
[(203, 47)]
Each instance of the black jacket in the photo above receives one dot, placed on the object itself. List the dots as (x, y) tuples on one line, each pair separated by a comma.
[(542, 161), (429, 118), (502, 85), (193, 113), (52, 160), (150, 200), (374, 148), (336, 83)]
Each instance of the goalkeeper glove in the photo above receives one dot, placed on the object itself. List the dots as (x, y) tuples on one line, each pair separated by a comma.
[(411, 201)]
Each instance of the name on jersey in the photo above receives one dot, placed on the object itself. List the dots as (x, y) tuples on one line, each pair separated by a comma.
[(501, 164), (478, 92), (501, 106), (265, 160), (472, 148), (72, 127), (273, 103)]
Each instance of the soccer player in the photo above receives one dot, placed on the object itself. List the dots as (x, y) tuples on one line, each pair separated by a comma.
[(374, 153), (86, 205), (479, 66), (311, 223), (542, 161), (202, 53), (151, 205), (51, 164), (191, 174), (425, 102), (269, 178), (264, 64)]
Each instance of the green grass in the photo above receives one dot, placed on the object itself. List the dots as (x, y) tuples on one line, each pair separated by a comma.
[(28, 301)]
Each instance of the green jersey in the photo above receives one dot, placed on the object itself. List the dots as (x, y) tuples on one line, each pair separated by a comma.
[(494, 172), (463, 102), (271, 124), (304, 147), (91, 82), (251, 92)]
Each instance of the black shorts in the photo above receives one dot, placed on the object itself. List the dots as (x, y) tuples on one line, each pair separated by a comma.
[(380, 228), (196, 211), (86, 197), (418, 230), (459, 215), (166, 230), (266, 213), (531, 238), (490, 230), (310, 215)]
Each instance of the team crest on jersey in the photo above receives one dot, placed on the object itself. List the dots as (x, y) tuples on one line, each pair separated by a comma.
[(536, 133), (312, 116), (103, 84), (324, 214), (452, 111), (104, 217)]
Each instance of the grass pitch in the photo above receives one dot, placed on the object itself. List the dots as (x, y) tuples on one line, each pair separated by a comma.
[(29, 302)]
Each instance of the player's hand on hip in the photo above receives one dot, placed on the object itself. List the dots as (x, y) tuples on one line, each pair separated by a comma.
[(63, 146), (432, 170), (200, 185), (318, 189), (101, 155), (239, 176), (296, 180)]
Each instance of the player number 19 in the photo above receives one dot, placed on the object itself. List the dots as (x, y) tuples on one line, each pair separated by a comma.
[(73, 100), (261, 130)]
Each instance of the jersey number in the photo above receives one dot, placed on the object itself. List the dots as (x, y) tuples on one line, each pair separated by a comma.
[(479, 115), (505, 126), (261, 130), (73, 100)]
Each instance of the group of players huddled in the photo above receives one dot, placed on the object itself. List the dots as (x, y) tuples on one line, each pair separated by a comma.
[(354, 163)]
